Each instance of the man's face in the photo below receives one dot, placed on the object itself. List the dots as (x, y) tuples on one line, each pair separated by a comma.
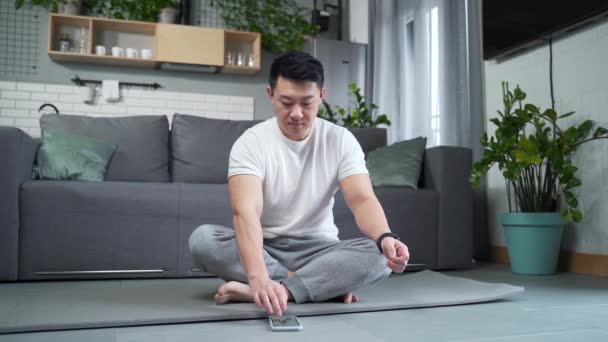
[(296, 105)]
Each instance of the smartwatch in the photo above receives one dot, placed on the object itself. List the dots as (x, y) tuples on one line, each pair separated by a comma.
[(379, 241)]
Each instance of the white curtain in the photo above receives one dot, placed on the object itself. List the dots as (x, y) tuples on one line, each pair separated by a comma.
[(423, 53), (425, 73)]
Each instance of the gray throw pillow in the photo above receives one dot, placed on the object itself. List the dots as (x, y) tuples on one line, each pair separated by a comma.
[(397, 165), (200, 147), (70, 157), (142, 142)]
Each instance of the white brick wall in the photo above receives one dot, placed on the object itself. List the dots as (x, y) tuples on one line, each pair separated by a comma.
[(19, 103)]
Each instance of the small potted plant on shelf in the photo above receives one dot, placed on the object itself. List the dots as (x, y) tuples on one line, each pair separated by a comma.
[(57, 6), (142, 10), (168, 11), (360, 119), (533, 154)]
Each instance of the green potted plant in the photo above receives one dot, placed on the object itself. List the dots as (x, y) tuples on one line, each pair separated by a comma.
[(57, 6), (283, 24), (360, 119), (533, 153), (142, 10)]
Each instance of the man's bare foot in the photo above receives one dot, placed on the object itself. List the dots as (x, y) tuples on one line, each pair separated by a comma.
[(233, 291), (348, 298)]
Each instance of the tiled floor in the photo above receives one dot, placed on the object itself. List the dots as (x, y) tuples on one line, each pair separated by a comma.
[(562, 307)]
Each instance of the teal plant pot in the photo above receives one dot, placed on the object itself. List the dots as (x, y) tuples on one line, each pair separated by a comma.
[(533, 241)]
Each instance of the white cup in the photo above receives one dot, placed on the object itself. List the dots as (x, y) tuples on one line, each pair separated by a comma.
[(146, 53), (100, 50), (118, 52), (87, 93), (132, 53)]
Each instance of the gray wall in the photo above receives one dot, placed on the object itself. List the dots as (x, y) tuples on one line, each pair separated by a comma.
[(61, 73)]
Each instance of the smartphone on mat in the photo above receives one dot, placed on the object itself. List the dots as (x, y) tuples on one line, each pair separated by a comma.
[(285, 323)]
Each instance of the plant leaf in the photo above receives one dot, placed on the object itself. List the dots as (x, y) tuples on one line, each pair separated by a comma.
[(566, 115)]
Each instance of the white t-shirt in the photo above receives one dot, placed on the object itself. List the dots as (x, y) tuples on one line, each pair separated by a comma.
[(299, 178)]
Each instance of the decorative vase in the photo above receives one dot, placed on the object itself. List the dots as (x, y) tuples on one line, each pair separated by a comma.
[(533, 241), (71, 7), (167, 15)]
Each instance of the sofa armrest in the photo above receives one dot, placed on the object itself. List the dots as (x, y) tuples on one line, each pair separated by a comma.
[(446, 170), (17, 152)]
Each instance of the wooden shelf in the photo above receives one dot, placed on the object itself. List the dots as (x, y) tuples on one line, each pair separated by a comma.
[(239, 70), (70, 25), (124, 26), (247, 43), (168, 42), (190, 44), (105, 60)]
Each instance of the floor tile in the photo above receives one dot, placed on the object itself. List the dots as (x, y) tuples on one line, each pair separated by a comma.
[(317, 328), (87, 335), (591, 335)]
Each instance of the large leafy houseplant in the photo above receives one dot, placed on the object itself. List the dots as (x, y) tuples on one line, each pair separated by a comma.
[(283, 23), (534, 155), (360, 115)]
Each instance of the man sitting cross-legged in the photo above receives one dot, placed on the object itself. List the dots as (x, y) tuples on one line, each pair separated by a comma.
[(283, 174)]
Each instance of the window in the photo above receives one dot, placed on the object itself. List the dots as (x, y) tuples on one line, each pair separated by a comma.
[(434, 76)]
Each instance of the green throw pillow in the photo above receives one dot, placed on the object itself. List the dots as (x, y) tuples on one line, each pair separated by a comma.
[(397, 165), (70, 157)]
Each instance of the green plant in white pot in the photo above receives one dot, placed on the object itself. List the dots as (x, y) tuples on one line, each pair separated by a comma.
[(57, 6), (142, 10), (533, 153)]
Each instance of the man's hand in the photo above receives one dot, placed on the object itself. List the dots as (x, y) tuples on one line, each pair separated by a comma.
[(396, 253), (270, 295)]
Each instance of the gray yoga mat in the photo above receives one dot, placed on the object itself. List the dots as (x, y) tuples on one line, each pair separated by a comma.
[(43, 306)]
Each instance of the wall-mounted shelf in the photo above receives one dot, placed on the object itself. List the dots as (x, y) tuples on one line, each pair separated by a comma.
[(171, 43), (246, 43), (104, 60)]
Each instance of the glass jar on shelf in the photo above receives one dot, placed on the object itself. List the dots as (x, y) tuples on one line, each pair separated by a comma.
[(229, 58), (83, 43), (240, 61), (63, 44)]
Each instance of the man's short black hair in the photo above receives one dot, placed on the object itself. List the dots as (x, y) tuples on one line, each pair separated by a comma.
[(296, 66)]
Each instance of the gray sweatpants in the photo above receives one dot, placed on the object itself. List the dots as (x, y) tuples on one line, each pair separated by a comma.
[(323, 268)]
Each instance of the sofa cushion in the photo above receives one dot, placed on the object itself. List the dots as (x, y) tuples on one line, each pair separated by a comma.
[(411, 214), (200, 204), (90, 226), (71, 157), (142, 152), (397, 165), (200, 147)]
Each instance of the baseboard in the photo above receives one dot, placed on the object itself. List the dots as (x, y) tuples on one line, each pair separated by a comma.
[(592, 264)]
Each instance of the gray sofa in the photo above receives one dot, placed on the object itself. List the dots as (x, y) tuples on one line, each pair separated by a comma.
[(161, 184)]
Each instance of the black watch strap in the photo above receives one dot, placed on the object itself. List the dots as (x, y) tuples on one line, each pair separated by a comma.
[(379, 241)]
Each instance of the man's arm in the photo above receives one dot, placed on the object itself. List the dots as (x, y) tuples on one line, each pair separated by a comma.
[(360, 198), (247, 202)]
